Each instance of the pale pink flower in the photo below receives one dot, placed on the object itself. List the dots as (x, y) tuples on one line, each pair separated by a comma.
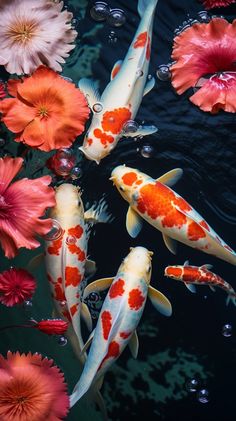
[(34, 32)]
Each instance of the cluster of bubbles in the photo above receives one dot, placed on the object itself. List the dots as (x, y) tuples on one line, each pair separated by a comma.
[(193, 386), (62, 163), (102, 12), (203, 17)]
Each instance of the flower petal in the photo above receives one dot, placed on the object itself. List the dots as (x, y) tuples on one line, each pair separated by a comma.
[(16, 114), (9, 168)]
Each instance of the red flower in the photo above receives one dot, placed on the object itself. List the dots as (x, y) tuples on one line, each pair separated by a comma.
[(16, 286), (211, 4), (2, 90), (21, 205), (52, 327), (207, 50), (47, 113), (31, 388)]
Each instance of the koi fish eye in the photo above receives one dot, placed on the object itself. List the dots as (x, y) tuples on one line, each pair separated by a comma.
[(149, 269), (122, 188)]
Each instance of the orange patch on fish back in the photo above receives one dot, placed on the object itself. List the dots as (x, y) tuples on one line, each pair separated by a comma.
[(113, 352), (141, 40), (115, 71), (204, 225), (73, 276), (55, 247), (195, 232), (148, 50), (191, 274), (67, 315), (176, 272), (105, 139), (59, 294), (76, 231), (125, 335), (157, 201), (113, 121), (117, 289), (106, 323), (89, 141), (74, 249), (50, 279), (73, 309), (135, 299), (138, 182), (129, 178)]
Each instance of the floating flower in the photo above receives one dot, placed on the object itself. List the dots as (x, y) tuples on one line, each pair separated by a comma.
[(47, 112), (52, 327), (31, 388), (2, 90), (205, 57), (22, 203), (16, 286), (34, 33), (211, 4)]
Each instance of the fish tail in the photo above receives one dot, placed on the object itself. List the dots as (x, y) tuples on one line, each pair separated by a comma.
[(94, 395), (144, 4), (231, 297), (98, 213)]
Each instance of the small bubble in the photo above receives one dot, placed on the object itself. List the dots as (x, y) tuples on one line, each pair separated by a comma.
[(64, 153), (98, 107), (62, 341), (2, 142), (204, 17), (71, 239), (64, 166), (192, 385), (93, 297), (149, 77), (146, 151), (203, 396), (116, 17), (100, 11), (62, 303), (227, 330), (112, 38), (163, 72), (75, 173), (139, 73), (130, 126), (28, 304), (55, 232)]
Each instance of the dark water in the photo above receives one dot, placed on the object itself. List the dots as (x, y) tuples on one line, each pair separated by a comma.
[(190, 344)]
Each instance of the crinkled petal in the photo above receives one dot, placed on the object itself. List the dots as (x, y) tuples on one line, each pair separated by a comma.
[(16, 114), (211, 4), (9, 168)]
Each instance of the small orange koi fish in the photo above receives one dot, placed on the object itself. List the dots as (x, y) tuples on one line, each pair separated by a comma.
[(202, 275)]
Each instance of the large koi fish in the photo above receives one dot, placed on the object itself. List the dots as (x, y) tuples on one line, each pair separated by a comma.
[(119, 316), (122, 97), (163, 208)]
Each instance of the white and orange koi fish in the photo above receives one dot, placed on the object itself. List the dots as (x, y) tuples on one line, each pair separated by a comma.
[(202, 275), (119, 316), (155, 202), (122, 97), (66, 259)]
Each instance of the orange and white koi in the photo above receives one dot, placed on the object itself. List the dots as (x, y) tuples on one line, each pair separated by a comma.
[(119, 316), (122, 97), (66, 258), (155, 202), (202, 275)]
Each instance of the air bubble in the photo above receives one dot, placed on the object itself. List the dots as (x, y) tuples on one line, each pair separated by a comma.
[(28, 304), (227, 330), (98, 107), (163, 72), (2, 142), (71, 239), (94, 297), (130, 126), (192, 385), (100, 11), (203, 396), (112, 38), (55, 232), (139, 73), (146, 151), (63, 153), (116, 17), (62, 341), (75, 173)]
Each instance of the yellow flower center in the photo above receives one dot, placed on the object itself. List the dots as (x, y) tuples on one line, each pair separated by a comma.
[(22, 31), (43, 111)]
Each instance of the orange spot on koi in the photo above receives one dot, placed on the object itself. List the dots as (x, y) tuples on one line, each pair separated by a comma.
[(195, 232), (106, 323), (141, 40), (135, 299), (74, 249), (129, 178), (113, 352), (55, 247), (113, 121), (73, 276), (104, 138), (76, 231), (117, 289), (125, 335), (73, 309)]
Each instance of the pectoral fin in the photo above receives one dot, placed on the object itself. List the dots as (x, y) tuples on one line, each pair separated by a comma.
[(35, 262), (149, 85), (190, 287), (207, 267), (90, 267), (134, 223), (86, 316), (186, 263), (170, 243), (90, 90), (116, 68), (212, 288), (160, 301), (141, 132), (134, 344), (87, 343), (97, 286), (171, 177)]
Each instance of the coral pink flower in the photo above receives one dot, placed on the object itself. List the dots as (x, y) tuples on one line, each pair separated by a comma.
[(31, 388), (211, 4), (2, 90), (52, 327), (207, 50), (22, 203), (47, 112), (34, 33), (16, 286)]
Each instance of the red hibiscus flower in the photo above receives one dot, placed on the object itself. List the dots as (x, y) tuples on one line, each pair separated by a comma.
[(16, 286), (205, 56), (211, 4), (52, 327)]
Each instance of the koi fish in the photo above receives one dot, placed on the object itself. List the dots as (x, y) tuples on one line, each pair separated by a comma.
[(119, 316), (155, 202), (122, 97), (202, 275), (66, 259)]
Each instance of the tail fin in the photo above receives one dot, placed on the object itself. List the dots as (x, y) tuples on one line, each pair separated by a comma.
[(98, 213), (144, 4), (231, 297)]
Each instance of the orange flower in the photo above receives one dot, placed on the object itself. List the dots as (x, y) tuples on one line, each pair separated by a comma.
[(31, 388), (47, 112)]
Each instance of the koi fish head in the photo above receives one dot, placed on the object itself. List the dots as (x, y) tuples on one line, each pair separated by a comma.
[(68, 199), (138, 262), (174, 272), (127, 181)]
